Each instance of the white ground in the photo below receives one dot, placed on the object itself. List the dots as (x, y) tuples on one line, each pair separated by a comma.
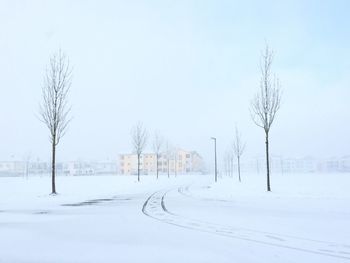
[(185, 219)]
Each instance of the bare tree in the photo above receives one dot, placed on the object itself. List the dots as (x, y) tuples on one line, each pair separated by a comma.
[(157, 146), (139, 140), (238, 149), (54, 110), (266, 102), (168, 154), (227, 162), (27, 158), (175, 160)]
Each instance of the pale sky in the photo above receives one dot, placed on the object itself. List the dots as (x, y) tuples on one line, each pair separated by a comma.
[(188, 69)]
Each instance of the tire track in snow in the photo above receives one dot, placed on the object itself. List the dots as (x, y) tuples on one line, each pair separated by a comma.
[(185, 191), (154, 207)]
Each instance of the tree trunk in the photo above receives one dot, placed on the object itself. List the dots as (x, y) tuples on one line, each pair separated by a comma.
[(267, 162), (53, 167), (157, 165), (138, 168), (168, 168), (239, 169), (216, 168)]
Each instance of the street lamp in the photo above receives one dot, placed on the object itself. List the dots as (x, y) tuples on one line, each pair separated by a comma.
[(216, 170)]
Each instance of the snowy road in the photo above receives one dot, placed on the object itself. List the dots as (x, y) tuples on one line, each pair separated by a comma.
[(184, 219), (157, 208)]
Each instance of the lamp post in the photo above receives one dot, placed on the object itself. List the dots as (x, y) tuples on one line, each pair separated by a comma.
[(216, 170)]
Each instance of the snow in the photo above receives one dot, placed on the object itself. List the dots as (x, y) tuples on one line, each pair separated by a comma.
[(306, 218)]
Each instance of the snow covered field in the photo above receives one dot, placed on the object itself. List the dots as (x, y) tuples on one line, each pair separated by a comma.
[(185, 219)]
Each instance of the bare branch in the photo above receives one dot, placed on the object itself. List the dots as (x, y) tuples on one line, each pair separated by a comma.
[(267, 101), (139, 138), (238, 146), (157, 143), (54, 110)]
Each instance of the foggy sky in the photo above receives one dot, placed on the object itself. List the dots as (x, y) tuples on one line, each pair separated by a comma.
[(188, 69)]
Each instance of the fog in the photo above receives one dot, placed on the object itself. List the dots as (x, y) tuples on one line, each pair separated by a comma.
[(188, 69)]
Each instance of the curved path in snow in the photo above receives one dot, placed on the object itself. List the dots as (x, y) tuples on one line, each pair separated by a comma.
[(156, 208)]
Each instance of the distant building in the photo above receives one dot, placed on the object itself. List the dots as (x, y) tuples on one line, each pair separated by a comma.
[(78, 168), (89, 168), (178, 161), (278, 164), (344, 164), (105, 167), (329, 165), (26, 168), (39, 167), (12, 168)]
